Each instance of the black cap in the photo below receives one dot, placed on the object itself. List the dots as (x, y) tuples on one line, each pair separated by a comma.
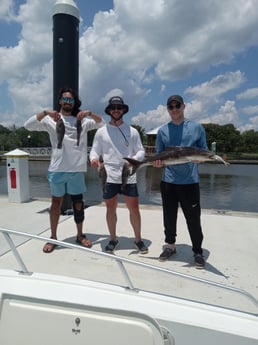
[(175, 98), (116, 100)]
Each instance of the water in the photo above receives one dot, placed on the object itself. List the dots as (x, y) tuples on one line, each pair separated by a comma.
[(223, 188)]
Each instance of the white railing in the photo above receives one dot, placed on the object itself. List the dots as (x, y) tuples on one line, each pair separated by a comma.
[(121, 262), (38, 151)]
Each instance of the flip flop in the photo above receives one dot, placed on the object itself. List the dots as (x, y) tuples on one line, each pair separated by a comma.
[(49, 247), (83, 241)]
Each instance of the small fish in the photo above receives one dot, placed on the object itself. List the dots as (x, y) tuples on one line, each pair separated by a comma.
[(102, 174), (177, 155), (126, 172), (79, 130), (60, 131)]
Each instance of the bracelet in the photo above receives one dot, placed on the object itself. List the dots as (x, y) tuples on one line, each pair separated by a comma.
[(89, 114)]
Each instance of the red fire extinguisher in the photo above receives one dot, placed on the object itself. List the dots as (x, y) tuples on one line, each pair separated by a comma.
[(13, 178)]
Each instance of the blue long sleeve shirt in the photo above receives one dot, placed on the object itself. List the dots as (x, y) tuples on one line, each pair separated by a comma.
[(188, 133)]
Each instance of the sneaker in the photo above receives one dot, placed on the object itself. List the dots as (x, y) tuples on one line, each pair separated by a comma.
[(112, 245), (165, 255), (141, 247), (199, 261)]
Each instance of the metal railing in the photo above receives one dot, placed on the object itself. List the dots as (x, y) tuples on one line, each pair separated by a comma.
[(121, 261), (45, 152)]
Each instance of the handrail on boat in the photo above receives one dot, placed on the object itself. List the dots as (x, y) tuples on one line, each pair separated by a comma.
[(120, 261)]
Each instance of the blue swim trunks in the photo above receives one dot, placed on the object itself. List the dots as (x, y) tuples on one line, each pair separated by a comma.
[(62, 183)]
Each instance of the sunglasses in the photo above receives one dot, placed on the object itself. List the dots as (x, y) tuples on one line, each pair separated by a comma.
[(116, 107), (68, 100), (176, 106)]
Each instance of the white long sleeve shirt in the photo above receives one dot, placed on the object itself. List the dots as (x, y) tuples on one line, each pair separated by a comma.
[(113, 143), (70, 158)]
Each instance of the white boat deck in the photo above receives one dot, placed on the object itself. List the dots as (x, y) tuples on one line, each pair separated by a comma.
[(230, 248)]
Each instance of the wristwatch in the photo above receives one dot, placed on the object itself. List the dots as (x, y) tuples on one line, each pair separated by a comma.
[(45, 112)]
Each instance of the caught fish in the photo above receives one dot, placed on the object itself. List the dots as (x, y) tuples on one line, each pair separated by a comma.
[(177, 155), (102, 174), (79, 130), (60, 131), (126, 172)]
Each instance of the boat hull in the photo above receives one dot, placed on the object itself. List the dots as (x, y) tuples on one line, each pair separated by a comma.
[(37, 308)]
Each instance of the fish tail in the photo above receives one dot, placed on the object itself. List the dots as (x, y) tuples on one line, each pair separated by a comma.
[(134, 163), (221, 160)]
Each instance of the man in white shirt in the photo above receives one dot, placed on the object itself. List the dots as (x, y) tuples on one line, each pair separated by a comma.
[(111, 143), (67, 129)]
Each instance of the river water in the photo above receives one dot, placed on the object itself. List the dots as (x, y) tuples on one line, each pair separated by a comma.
[(234, 187)]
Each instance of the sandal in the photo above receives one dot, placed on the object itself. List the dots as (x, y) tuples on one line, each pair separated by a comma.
[(49, 247), (83, 241)]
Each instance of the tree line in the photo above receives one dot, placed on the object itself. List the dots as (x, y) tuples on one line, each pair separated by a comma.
[(227, 138)]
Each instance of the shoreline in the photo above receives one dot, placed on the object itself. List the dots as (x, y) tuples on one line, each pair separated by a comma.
[(143, 206), (230, 161)]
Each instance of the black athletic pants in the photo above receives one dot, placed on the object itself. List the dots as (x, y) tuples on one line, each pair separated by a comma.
[(188, 196)]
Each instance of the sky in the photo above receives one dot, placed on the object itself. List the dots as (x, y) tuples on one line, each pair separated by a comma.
[(143, 51)]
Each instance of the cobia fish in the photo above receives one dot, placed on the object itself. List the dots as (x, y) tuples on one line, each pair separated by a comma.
[(60, 132), (177, 155)]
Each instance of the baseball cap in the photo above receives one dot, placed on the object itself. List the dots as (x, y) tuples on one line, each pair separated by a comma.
[(175, 98)]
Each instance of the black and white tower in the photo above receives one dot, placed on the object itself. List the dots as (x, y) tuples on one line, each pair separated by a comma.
[(66, 19)]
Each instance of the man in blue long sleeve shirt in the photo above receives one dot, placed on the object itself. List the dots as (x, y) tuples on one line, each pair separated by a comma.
[(180, 183)]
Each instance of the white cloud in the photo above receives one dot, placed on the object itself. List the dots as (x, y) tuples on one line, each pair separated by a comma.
[(227, 113), (128, 49), (202, 109), (250, 110), (251, 125), (217, 86), (249, 94), (152, 119), (6, 9)]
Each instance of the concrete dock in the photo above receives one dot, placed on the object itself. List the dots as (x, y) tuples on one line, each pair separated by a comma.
[(230, 245)]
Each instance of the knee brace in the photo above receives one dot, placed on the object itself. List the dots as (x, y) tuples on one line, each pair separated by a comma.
[(78, 208)]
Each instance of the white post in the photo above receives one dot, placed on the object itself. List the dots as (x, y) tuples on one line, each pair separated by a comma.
[(17, 176), (213, 146)]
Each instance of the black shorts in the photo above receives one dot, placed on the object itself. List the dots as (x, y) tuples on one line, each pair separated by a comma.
[(113, 189)]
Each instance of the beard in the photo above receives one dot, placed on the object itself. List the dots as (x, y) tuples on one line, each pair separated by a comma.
[(67, 107)]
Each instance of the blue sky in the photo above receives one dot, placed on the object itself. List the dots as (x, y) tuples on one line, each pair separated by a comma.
[(144, 51)]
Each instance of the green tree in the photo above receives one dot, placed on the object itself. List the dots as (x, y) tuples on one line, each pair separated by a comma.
[(4, 138), (250, 141), (27, 138), (227, 137), (141, 131)]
